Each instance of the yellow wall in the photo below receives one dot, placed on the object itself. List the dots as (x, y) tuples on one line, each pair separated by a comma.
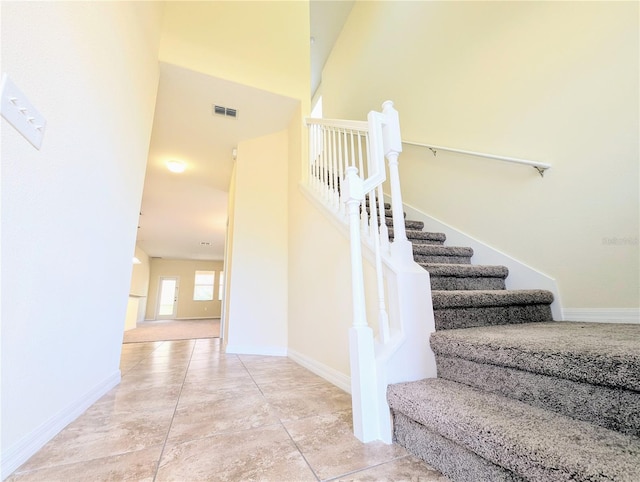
[(70, 209), (140, 274), (257, 308), (185, 270), (553, 81), (260, 44), (137, 304)]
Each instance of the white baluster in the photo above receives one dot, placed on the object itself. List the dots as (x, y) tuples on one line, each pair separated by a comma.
[(325, 166), (362, 164), (342, 161), (314, 153), (334, 170), (384, 230)]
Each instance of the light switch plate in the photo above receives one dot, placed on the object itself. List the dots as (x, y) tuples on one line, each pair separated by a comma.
[(19, 112)]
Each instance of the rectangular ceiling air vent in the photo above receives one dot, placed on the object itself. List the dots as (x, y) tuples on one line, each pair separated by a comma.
[(225, 111)]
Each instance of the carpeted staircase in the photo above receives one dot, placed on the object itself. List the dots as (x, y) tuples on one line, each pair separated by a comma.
[(518, 396)]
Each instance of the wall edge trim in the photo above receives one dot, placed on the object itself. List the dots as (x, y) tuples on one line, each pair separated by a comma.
[(256, 350), (332, 375), (603, 315), (19, 453)]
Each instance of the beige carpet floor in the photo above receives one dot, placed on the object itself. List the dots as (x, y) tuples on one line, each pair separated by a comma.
[(164, 330)]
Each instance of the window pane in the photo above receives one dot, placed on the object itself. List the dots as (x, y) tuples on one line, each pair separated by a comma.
[(203, 293), (205, 277), (203, 285)]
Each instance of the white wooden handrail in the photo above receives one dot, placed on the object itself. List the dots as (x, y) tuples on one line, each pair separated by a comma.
[(539, 166)]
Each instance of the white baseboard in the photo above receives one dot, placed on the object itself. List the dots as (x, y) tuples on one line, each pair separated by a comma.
[(331, 375), (603, 315), (256, 350), (13, 457)]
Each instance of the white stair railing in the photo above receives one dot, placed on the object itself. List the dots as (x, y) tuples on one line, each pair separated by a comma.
[(346, 173)]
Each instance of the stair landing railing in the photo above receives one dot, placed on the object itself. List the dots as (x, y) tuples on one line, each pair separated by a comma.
[(346, 172)]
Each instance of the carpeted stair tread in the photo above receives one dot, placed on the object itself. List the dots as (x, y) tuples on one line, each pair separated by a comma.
[(533, 443), (465, 270), (458, 463), (386, 205), (424, 237), (613, 408), (481, 298), (435, 250), (388, 213), (596, 353), (409, 224), (449, 276), (453, 309)]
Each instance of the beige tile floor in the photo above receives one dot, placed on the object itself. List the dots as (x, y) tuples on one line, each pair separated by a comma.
[(185, 411)]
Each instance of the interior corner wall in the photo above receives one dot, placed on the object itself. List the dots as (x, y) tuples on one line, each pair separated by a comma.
[(557, 82), (70, 209), (140, 274), (228, 258), (185, 271), (257, 309), (259, 44)]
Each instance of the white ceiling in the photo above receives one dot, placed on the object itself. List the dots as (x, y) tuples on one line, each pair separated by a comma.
[(180, 212)]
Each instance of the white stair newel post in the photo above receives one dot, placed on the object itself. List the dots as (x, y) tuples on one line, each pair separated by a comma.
[(361, 345), (401, 248)]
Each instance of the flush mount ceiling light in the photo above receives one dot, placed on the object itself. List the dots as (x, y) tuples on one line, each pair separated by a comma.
[(176, 166)]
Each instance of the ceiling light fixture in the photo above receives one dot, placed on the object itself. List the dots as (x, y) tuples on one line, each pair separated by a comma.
[(176, 166)]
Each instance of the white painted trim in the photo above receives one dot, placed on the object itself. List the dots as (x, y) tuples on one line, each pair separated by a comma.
[(15, 456), (331, 375), (256, 350), (520, 276), (603, 315)]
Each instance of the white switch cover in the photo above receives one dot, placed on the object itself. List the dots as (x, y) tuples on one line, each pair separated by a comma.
[(19, 112)]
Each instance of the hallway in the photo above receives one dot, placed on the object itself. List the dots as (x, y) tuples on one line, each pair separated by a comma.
[(184, 411)]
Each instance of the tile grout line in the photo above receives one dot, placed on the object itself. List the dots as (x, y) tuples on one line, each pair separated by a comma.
[(337, 477), (141, 359), (281, 423), (166, 438), (299, 451)]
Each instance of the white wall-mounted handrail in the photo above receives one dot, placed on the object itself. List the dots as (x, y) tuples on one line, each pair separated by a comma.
[(539, 166)]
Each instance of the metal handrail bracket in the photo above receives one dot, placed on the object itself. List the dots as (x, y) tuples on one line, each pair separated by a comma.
[(538, 166)]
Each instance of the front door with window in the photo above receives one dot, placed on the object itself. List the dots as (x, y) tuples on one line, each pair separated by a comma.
[(168, 298)]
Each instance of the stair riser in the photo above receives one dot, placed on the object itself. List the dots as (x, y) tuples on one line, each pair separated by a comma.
[(454, 283), (615, 409), (451, 459), (422, 258), (453, 318)]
